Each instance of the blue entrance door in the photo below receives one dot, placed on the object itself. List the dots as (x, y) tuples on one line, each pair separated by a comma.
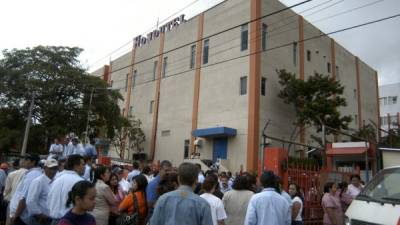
[(220, 148)]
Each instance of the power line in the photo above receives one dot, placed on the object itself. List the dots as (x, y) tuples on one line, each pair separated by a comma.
[(270, 34), (274, 48), (215, 34)]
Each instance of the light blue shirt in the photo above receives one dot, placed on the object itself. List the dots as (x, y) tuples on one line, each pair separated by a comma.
[(133, 174), (22, 192), (3, 177), (268, 208), (86, 174), (36, 202), (58, 193), (90, 150), (181, 207), (74, 149)]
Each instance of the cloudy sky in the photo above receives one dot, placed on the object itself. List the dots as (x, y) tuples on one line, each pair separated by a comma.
[(101, 27)]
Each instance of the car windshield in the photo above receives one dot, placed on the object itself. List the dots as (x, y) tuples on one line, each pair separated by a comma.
[(385, 187)]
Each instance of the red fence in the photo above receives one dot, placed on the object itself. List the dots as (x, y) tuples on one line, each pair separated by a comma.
[(311, 181)]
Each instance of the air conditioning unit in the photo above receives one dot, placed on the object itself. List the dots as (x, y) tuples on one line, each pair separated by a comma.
[(198, 142)]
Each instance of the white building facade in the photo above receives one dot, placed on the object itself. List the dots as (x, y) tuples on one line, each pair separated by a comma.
[(389, 106), (213, 78)]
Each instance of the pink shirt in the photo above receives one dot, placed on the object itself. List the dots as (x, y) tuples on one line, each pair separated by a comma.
[(333, 202)]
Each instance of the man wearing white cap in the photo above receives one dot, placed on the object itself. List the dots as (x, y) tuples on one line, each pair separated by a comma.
[(36, 201)]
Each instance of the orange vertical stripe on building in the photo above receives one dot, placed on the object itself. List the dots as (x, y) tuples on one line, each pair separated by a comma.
[(378, 104), (109, 73), (129, 91), (301, 67), (196, 94), (358, 92), (157, 99), (106, 71), (333, 58), (254, 88)]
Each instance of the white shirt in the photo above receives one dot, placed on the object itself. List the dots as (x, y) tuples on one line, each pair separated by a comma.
[(124, 184), (132, 174), (58, 193), (12, 182), (36, 202), (217, 207), (200, 178), (75, 149), (56, 149), (298, 217), (86, 175), (353, 191), (22, 192)]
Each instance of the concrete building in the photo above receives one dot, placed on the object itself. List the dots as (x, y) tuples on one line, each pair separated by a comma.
[(389, 107), (212, 80)]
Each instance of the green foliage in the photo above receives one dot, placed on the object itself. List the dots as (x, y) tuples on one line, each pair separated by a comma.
[(367, 132), (392, 139), (128, 136), (316, 100), (62, 90)]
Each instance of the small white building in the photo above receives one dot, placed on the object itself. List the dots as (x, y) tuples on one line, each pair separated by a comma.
[(389, 106)]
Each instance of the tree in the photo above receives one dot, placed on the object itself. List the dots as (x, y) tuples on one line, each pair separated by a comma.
[(316, 100), (62, 90), (128, 136)]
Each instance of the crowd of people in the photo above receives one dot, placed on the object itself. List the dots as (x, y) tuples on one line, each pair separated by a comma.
[(73, 190)]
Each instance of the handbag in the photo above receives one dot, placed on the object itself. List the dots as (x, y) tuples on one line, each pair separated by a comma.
[(133, 219)]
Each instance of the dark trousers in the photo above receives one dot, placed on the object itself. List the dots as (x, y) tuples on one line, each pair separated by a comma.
[(297, 223)]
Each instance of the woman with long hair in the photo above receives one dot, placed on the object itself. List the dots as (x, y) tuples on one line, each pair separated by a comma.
[(105, 200), (139, 184), (297, 204), (118, 195), (237, 199), (345, 198), (333, 213), (168, 183), (82, 196)]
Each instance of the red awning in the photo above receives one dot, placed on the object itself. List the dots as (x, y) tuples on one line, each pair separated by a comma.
[(347, 151)]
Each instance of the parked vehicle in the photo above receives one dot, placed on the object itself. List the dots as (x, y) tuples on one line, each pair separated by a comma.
[(379, 202)]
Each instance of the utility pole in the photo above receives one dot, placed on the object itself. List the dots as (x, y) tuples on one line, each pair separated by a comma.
[(28, 126), (88, 115)]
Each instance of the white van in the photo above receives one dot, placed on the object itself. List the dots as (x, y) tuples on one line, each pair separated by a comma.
[(379, 202)]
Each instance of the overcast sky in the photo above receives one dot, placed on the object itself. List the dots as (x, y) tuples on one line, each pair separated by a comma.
[(102, 26)]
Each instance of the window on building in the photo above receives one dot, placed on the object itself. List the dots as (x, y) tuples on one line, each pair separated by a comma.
[(126, 82), (328, 65), (205, 51), (192, 56), (123, 111), (244, 38), (393, 121), (263, 85), (392, 100), (186, 149), (294, 53), (355, 93), (134, 79), (151, 106), (309, 55), (264, 36), (130, 110), (165, 64), (337, 72), (155, 69), (165, 133), (385, 100), (356, 119), (243, 85), (111, 83)]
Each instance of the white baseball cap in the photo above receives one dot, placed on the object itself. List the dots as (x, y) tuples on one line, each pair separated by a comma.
[(51, 163)]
